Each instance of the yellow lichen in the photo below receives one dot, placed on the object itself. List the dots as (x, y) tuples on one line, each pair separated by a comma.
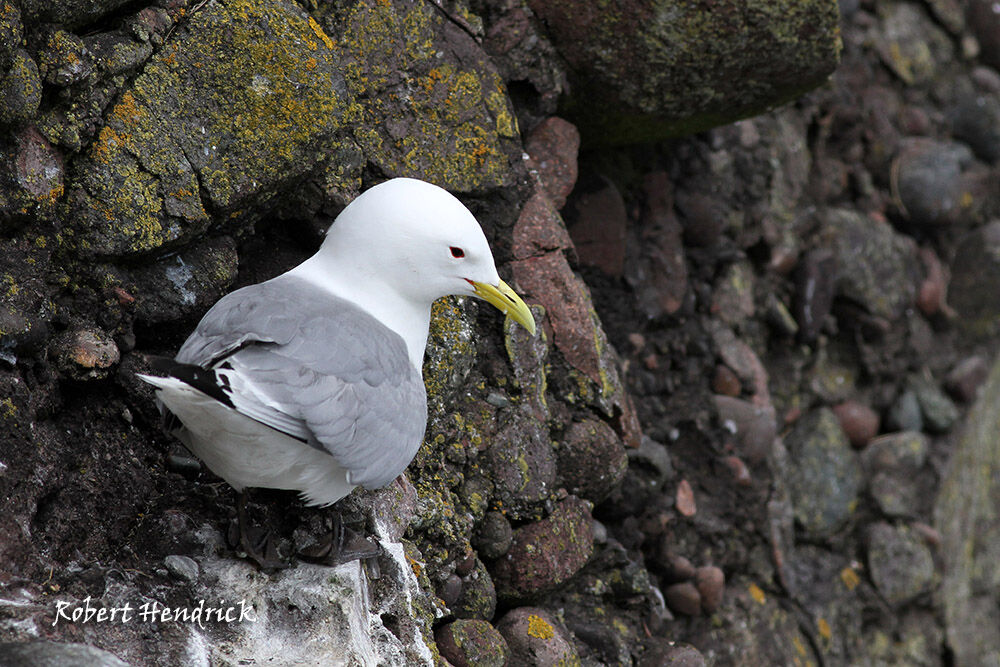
[(757, 593), (539, 628)]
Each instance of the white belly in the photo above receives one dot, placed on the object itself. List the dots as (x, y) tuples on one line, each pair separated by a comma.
[(245, 452)]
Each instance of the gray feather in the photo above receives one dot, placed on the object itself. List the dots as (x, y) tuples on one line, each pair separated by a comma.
[(312, 364)]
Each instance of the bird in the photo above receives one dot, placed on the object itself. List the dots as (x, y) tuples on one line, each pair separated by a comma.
[(312, 381)]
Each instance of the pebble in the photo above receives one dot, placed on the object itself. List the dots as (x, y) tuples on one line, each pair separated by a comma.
[(938, 411), (478, 596), (905, 414), (725, 382), (683, 598), (860, 422), (678, 567), (64, 60), (815, 284), (755, 427), (85, 353), (182, 567), (472, 643), (449, 590), (926, 179), (933, 289), (966, 377), (673, 654), (535, 637), (738, 469), (711, 584), (976, 121), (591, 460), (685, 502)]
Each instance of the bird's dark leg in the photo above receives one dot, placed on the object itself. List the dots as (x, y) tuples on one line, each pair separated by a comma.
[(341, 545), (256, 542)]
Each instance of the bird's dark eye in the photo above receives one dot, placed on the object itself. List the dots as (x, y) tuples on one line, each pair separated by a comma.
[(457, 252)]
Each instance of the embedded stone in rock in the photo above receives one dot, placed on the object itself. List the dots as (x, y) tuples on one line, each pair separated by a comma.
[(966, 377), (975, 282), (597, 222), (478, 597), (535, 637), (546, 553), (860, 422), (553, 146), (938, 411), (683, 598), (591, 460), (975, 120), (754, 427), (927, 178), (662, 652), (539, 229), (31, 177), (643, 70), (824, 477), (901, 564), (472, 643), (494, 536), (266, 113), (656, 267), (11, 33), (522, 466), (85, 353), (904, 414), (64, 60), (877, 267), (815, 286), (20, 89), (711, 583)]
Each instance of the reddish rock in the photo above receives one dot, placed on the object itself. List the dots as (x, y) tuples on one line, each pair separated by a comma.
[(553, 146), (739, 470), (725, 382), (685, 499), (933, 290), (860, 422), (535, 637), (711, 584), (754, 427), (662, 652), (546, 553), (964, 380), (85, 353), (679, 568), (741, 358), (683, 598), (539, 229), (597, 223)]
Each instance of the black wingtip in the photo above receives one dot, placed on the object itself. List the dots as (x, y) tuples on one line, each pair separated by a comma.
[(202, 379)]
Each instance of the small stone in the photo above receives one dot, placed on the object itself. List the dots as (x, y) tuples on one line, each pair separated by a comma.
[(732, 298), (472, 643), (85, 353), (553, 146), (905, 414), (975, 283), (906, 450), (702, 217), (926, 178), (725, 382), (449, 589), (933, 290), (494, 536), (591, 460), (711, 584), (738, 469), (182, 567), (64, 59), (20, 89), (939, 412), (521, 464), (974, 120), (478, 597), (685, 499), (860, 422), (815, 284), (597, 223), (901, 564), (535, 637), (755, 427), (655, 457), (679, 568), (672, 654), (683, 598), (967, 376)]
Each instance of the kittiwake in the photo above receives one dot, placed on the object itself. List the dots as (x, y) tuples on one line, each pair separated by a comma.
[(312, 381)]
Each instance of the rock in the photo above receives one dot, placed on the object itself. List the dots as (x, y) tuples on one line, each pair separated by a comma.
[(877, 268), (470, 643), (535, 637), (933, 291), (755, 427), (974, 120), (815, 286), (901, 565), (31, 178), (966, 377), (906, 451), (522, 465), (597, 223), (975, 282), (741, 474), (85, 353), (674, 654), (591, 460), (985, 24), (659, 82), (683, 598), (725, 382), (20, 89), (732, 298), (684, 500), (912, 45), (860, 422), (546, 553), (478, 595), (494, 536), (905, 413), (711, 584), (71, 13), (539, 229), (182, 567), (553, 146), (11, 33), (965, 516), (64, 60), (939, 413), (55, 654), (927, 178), (824, 477)]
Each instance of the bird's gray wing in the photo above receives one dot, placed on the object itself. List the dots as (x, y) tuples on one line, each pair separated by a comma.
[(318, 368)]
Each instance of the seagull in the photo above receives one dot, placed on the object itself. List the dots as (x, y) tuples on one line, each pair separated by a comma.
[(312, 381)]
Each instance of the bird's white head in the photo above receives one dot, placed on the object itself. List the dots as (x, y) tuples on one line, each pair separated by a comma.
[(422, 242)]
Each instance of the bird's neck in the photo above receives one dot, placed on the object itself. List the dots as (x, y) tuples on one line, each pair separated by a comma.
[(355, 282)]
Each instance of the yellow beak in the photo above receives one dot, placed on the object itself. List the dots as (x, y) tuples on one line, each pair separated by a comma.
[(508, 302)]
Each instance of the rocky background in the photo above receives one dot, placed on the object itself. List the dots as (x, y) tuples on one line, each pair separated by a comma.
[(758, 424)]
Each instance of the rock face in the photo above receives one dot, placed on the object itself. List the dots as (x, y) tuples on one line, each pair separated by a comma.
[(630, 63)]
